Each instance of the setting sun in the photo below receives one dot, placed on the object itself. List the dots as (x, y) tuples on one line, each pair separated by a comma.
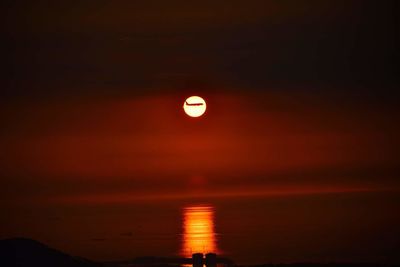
[(194, 106)]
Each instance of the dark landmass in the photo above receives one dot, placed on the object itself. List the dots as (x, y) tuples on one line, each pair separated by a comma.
[(23, 252)]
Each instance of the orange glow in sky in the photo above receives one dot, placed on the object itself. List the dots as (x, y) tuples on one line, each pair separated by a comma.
[(198, 231)]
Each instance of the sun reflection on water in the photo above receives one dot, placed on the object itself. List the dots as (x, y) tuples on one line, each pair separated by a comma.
[(198, 231)]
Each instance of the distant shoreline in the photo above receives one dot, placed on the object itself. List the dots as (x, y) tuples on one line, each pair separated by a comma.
[(27, 252)]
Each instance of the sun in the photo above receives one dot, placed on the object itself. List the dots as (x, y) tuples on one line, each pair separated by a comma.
[(195, 106)]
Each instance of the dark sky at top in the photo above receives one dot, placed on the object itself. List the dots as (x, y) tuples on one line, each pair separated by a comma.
[(69, 47)]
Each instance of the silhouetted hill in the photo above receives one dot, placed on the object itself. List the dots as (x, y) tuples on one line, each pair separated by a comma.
[(23, 252)]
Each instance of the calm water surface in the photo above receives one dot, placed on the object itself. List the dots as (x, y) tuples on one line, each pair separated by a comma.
[(319, 228), (247, 230)]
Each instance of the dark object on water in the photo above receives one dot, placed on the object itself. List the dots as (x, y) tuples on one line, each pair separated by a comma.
[(197, 260), (211, 260)]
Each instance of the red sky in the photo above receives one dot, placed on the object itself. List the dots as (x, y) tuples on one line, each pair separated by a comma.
[(146, 145)]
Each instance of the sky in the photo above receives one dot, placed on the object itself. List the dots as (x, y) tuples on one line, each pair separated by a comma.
[(301, 100)]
